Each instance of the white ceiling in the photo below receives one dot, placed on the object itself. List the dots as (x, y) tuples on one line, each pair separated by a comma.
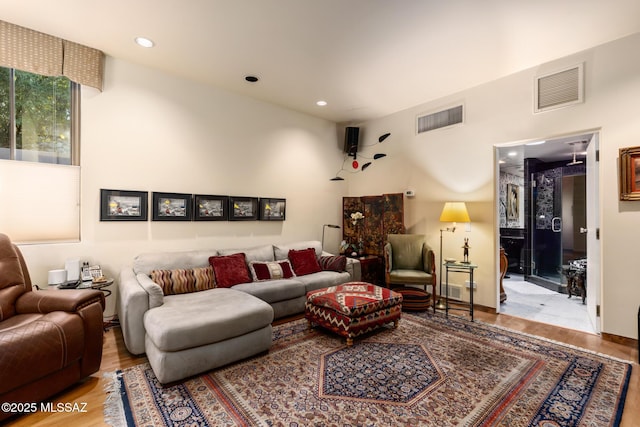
[(366, 58)]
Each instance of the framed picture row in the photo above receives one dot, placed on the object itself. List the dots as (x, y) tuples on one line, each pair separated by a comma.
[(123, 205)]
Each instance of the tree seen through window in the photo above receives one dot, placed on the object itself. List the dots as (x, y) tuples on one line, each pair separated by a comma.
[(41, 116)]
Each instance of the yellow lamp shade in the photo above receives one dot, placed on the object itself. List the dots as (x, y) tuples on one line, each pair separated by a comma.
[(454, 212)]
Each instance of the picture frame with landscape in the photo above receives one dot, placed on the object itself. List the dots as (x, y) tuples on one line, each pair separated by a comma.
[(272, 209), (210, 208), (243, 208), (171, 206), (123, 205)]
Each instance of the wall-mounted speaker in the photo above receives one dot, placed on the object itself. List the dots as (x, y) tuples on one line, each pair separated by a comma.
[(351, 136)]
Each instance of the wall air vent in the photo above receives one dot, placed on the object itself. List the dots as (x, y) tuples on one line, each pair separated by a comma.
[(559, 89), (455, 292), (441, 119)]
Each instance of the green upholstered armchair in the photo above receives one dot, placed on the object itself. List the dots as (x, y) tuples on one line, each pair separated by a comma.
[(408, 260)]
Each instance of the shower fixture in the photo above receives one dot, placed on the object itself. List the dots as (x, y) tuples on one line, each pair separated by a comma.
[(573, 144), (574, 162)]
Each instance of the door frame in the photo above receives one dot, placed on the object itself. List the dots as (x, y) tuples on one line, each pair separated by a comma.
[(594, 281)]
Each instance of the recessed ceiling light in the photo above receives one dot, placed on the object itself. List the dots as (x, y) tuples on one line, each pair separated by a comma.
[(512, 154), (321, 103), (251, 79), (144, 42)]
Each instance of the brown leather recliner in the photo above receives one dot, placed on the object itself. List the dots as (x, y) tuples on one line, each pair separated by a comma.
[(49, 340)]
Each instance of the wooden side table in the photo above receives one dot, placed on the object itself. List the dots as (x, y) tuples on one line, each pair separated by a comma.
[(372, 269)]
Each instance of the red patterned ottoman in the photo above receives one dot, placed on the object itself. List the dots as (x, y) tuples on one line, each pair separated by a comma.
[(353, 308)]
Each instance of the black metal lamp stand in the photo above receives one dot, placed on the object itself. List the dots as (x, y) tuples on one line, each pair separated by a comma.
[(440, 304)]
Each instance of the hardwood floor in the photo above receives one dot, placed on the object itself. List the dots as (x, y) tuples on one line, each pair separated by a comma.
[(115, 356)]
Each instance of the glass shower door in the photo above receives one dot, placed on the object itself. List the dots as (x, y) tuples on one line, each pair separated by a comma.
[(546, 236)]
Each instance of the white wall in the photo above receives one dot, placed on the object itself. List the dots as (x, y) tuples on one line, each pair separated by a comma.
[(150, 131), (457, 164)]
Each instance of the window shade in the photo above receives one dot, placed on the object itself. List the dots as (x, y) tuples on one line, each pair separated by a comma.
[(40, 202), (35, 52), (83, 65)]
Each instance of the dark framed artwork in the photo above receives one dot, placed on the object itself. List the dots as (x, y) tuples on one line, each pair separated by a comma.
[(513, 203), (630, 173), (210, 208), (243, 208), (272, 209), (171, 207), (122, 205)]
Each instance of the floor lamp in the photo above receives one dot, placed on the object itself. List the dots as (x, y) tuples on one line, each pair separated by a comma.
[(325, 226), (452, 212)]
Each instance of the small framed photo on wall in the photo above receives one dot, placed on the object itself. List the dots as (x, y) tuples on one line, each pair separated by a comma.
[(272, 209), (630, 173), (122, 205), (243, 208), (171, 207), (210, 208)]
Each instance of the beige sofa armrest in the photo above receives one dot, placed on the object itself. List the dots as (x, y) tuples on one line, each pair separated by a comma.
[(154, 291), (354, 269), (134, 300)]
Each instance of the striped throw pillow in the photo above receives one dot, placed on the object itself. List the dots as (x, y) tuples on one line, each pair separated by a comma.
[(333, 263), (182, 281)]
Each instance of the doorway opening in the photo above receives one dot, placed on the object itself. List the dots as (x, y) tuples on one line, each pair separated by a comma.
[(544, 192)]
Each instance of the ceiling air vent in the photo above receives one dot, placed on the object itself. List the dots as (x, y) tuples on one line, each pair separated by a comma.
[(559, 89), (441, 119)]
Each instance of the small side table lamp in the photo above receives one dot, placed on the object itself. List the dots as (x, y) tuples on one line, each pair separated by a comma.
[(452, 212)]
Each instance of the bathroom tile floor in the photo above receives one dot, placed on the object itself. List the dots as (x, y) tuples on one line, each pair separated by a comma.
[(537, 303)]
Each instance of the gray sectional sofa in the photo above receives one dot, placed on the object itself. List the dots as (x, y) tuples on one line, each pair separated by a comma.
[(188, 333)]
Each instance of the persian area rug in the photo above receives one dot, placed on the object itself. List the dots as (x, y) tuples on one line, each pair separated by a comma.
[(430, 371)]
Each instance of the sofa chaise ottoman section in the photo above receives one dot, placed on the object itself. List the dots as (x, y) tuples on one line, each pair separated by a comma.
[(196, 332)]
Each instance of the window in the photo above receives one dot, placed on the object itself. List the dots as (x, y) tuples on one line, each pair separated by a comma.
[(36, 117), (40, 78), (39, 176)]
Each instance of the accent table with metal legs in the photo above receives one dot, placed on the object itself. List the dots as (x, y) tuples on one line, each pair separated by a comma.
[(459, 267), (101, 286)]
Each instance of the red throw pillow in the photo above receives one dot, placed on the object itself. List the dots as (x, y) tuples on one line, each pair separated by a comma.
[(261, 270), (230, 270), (304, 261)]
